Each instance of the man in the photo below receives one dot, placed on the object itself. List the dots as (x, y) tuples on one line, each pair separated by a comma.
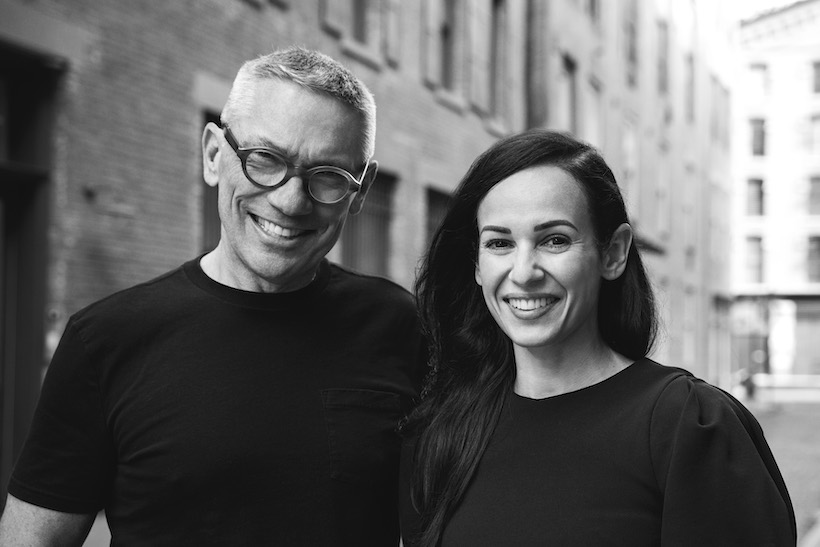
[(249, 397)]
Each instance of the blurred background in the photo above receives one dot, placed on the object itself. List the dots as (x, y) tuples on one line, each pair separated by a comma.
[(708, 111)]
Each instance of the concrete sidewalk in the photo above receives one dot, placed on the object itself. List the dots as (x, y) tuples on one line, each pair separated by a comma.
[(812, 537)]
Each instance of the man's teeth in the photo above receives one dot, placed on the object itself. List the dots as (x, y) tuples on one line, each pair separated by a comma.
[(275, 229), (528, 304)]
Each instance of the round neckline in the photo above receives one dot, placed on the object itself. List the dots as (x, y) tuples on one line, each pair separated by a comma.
[(259, 300), (615, 378)]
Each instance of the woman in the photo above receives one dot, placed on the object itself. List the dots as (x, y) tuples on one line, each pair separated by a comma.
[(542, 421)]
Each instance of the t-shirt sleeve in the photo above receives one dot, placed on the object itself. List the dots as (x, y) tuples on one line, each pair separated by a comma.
[(66, 461), (718, 477)]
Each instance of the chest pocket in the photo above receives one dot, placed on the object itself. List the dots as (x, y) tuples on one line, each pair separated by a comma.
[(361, 427)]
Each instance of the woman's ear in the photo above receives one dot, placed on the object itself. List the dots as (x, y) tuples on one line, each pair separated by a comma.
[(211, 153), (615, 255)]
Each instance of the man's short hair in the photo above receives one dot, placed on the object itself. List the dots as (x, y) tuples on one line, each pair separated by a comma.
[(310, 69)]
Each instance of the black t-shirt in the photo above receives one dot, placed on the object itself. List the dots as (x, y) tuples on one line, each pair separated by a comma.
[(650, 456), (198, 414)]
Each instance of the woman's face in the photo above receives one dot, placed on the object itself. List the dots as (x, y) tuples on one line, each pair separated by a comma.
[(539, 266)]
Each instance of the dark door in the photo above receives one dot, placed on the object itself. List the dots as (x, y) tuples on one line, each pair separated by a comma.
[(28, 84)]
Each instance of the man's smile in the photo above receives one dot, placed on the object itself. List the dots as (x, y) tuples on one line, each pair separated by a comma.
[(274, 229)]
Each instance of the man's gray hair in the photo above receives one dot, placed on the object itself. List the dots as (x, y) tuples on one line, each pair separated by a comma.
[(312, 70)]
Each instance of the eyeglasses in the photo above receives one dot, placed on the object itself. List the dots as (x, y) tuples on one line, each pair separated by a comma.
[(268, 169)]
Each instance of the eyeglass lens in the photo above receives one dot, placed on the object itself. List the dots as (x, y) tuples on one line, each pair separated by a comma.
[(269, 170)]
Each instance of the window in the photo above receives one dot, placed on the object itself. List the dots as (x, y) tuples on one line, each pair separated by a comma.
[(391, 13), (535, 78), (593, 9), (447, 41), (437, 203), (663, 57), (754, 259), (631, 42), (358, 26), (726, 108), (759, 74), (366, 236), (663, 216), (211, 226), (758, 127), (567, 110), (815, 132), (715, 111), (359, 23), (498, 56), (630, 158), (443, 49), (754, 197), (816, 67), (29, 113), (813, 259), (690, 88), (593, 114), (814, 195)]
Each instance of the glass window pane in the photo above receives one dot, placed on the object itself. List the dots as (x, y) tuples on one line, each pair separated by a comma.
[(436, 209), (758, 128), (814, 195), (814, 259), (366, 236), (754, 197), (754, 259)]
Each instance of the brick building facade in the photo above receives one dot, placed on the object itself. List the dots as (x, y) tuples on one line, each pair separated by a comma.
[(102, 105)]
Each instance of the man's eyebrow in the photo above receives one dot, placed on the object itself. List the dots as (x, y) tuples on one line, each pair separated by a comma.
[(259, 141)]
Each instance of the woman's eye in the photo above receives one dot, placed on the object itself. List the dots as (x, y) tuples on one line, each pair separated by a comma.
[(556, 241), (496, 244)]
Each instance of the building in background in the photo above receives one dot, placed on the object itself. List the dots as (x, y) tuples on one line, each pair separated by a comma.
[(102, 105), (776, 281)]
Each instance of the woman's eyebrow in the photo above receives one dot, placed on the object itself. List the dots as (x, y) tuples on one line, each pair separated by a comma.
[(491, 228), (552, 224)]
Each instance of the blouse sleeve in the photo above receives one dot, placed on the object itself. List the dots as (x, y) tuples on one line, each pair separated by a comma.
[(718, 478)]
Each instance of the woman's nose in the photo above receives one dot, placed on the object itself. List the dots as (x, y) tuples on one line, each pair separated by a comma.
[(526, 269)]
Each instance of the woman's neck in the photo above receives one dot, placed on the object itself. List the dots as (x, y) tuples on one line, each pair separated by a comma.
[(547, 372)]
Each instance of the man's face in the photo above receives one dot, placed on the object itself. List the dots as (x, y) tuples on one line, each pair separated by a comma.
[(273, 240)]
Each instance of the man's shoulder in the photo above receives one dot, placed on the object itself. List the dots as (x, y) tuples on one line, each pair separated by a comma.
[(368, 286), (158, 293)]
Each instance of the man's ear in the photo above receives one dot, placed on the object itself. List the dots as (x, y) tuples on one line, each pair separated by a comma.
[(615, 255), (367, 182), (211, 141)]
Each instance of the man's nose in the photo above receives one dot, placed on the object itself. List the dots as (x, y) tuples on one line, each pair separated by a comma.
[(291, 197), (526, 268)]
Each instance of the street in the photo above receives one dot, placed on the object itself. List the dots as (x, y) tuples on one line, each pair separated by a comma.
[(793, 432)]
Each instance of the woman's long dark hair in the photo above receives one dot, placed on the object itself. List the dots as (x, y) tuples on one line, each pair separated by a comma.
[(471, 359)]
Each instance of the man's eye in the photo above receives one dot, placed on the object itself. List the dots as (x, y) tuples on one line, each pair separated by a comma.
[(263, 159)]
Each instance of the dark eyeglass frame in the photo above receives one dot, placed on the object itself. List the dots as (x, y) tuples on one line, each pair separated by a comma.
[(291, 170)]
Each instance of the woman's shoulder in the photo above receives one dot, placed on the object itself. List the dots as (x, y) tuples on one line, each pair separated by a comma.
[(680, 391), (688, 408)]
